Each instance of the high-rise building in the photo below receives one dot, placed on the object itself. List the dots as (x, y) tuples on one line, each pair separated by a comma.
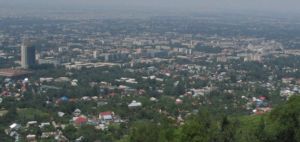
[(27, 55), (95, 54)]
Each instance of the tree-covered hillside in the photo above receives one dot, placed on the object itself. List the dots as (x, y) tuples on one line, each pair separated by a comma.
[(280, 125)]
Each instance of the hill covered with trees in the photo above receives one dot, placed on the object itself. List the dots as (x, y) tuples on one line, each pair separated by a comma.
[(280, 125)]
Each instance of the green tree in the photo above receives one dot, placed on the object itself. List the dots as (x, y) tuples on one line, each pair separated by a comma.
[(286, 121), (199, 128), (146, 132), (70, 132), (227, 130)]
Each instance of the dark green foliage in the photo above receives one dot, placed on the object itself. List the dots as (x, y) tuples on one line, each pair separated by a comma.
[(145, 131), (286, 119), (200, 128), (281, 125)]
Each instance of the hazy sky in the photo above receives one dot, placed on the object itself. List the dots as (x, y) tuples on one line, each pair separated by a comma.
[(283, 6)]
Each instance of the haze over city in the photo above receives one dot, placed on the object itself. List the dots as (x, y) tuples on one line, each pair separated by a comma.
[(149, 71), (230, 6)]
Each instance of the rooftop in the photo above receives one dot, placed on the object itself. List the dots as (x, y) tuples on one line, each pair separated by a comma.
[(13, 72)]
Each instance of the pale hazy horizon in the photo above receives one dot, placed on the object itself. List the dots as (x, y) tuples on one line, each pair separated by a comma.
[(220, 6)]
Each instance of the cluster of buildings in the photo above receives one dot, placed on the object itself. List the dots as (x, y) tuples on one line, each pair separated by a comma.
[(190, 70)]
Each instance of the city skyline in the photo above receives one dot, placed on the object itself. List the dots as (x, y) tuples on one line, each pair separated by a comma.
[(149, 71)]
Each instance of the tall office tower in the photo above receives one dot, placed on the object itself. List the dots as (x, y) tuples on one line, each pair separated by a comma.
[(27, 55), (95, 54)]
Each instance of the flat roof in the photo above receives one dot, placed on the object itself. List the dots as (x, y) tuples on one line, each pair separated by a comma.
[(13, 72)]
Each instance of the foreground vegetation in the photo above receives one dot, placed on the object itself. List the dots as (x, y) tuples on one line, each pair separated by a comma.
[(281, 125)]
